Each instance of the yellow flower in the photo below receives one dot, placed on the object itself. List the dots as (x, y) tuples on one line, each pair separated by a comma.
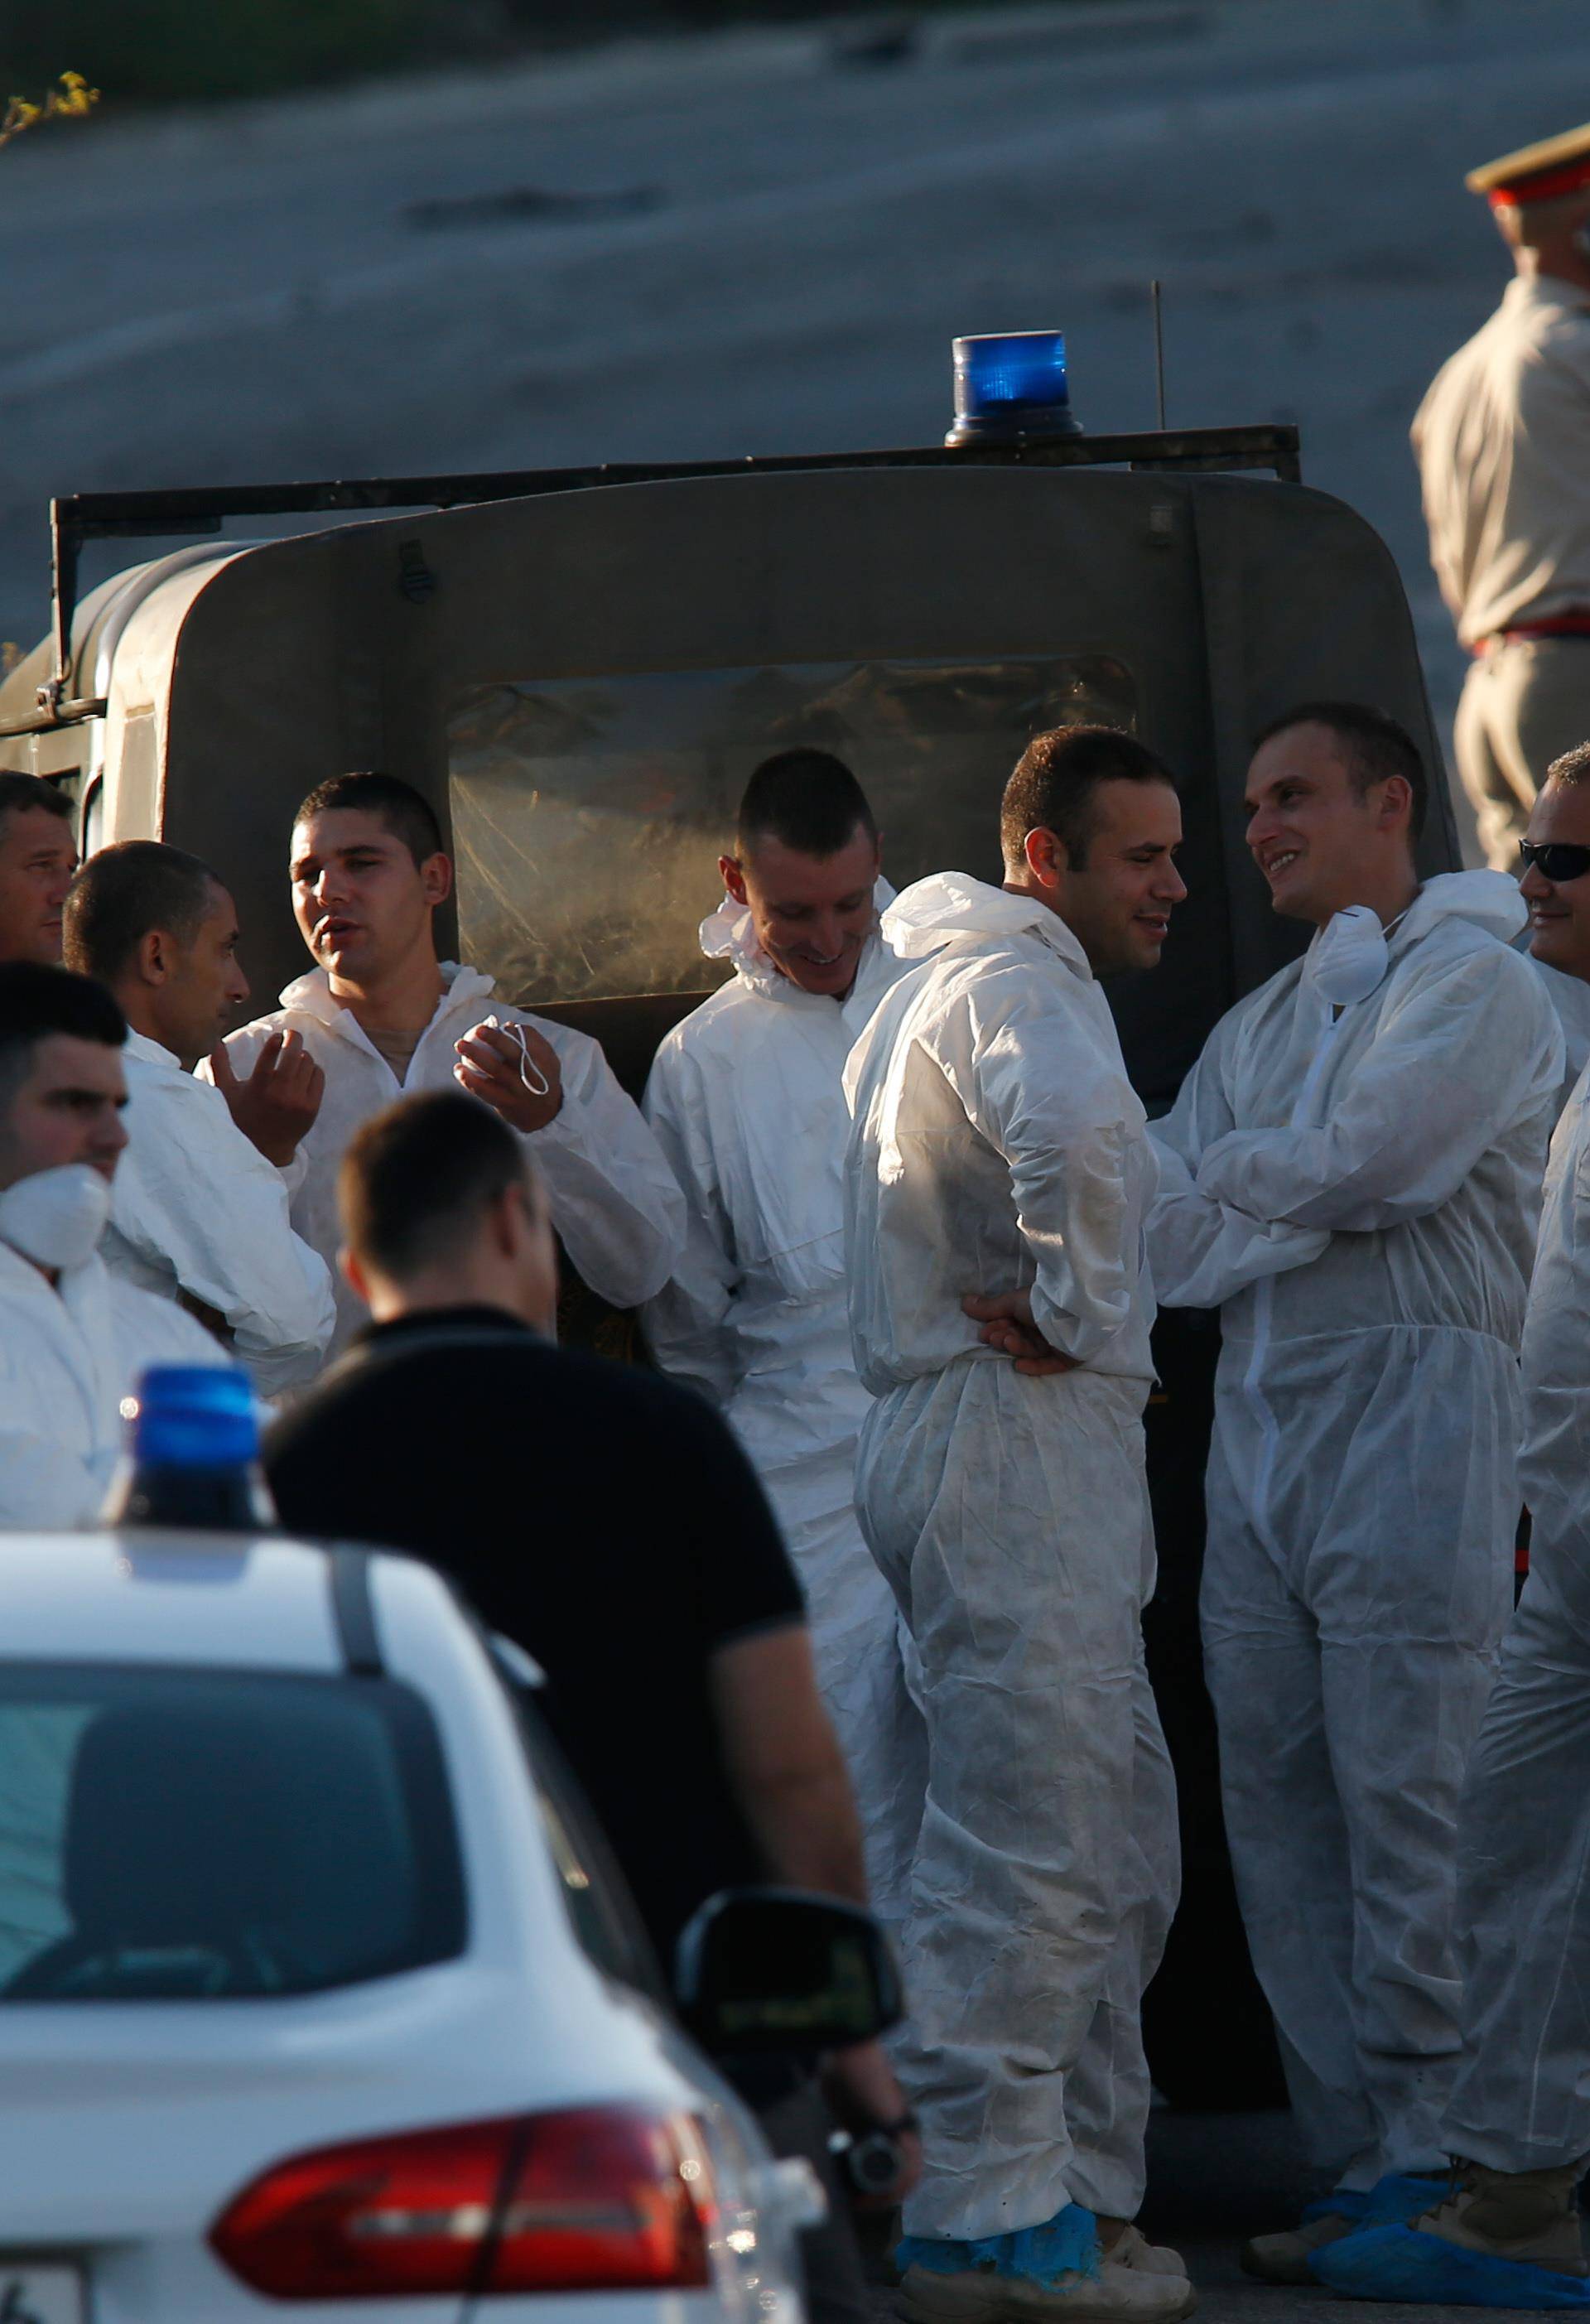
[(71, 101), (78, 97)]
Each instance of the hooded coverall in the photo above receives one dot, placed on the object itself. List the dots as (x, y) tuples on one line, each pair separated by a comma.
[(997, 1146), (1352, 1173)]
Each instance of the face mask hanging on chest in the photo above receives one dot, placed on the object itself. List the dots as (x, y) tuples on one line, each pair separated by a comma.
[(1348, 958), (56, 1217)]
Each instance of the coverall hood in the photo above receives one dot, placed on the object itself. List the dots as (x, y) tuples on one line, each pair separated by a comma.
[(729, 933), (933, 912)]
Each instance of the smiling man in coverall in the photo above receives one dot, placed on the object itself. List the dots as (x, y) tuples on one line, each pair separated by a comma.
[(747, 1101), (1352, 1174), (998, 1149)]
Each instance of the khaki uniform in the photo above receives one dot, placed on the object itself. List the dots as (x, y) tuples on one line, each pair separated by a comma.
[(1503, 440)]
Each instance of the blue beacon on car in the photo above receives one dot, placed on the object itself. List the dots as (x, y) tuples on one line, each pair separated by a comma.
[(1010, 384)]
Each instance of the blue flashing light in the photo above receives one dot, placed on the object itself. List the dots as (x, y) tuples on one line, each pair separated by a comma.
[(1010, 384), (194, 1416)]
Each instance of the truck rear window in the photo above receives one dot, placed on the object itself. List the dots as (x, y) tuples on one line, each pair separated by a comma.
[(177, 1835), (589, 813)]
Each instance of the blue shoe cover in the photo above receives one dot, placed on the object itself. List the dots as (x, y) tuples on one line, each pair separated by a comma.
[(1341, 2203), (1397, 2263), (1392, 2199), (1067, 2244), (1396, 2199)]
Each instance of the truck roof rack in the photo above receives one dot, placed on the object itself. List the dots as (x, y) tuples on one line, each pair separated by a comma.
[(78, 517)]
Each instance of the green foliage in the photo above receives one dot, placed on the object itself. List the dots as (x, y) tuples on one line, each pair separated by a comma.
[(209, 48)]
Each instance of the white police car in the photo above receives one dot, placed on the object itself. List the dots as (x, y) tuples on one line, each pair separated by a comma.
[(312, 1988)]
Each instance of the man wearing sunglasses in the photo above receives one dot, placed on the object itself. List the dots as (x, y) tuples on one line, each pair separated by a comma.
[(1553, 883), (1352, 1173), (1505, 2233), (1555, 863)]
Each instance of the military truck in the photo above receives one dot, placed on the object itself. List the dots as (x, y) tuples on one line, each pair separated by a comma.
[(580, 669)]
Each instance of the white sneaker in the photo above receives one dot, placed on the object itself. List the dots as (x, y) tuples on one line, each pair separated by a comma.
[(1131, 2248), (1116, 2294)]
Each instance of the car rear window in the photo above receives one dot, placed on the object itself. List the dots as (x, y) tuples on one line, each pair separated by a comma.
[(174, 1835)]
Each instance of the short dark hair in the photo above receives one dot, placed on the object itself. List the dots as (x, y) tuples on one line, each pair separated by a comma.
[(1374, 744), (36, 1001), (20, 794), (1055, 784), (807, 800), (1573, 767), (407, 814), (122, 893), (414, 1179)]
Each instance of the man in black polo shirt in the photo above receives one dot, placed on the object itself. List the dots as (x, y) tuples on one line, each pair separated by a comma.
[(600, 1516)]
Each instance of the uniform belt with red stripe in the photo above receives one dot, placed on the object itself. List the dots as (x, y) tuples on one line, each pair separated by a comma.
[(1574, 623)]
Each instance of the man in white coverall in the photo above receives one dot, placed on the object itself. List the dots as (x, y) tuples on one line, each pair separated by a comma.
[(1506, 2233), (382, 1016), (73, 1338), (1352, 1173), (747, 1100), (998, 1149), (199, 1211)]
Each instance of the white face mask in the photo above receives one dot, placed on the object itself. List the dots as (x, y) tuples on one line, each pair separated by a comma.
[(1347, 958), (56, 1217)]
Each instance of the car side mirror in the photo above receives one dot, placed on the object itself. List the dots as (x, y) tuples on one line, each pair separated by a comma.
[(761, 1970)]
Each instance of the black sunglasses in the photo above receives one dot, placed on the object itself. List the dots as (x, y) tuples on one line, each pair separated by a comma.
[(1555, 859)]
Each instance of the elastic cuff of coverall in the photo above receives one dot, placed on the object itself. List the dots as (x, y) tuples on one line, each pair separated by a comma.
[(1053, 1325), (1494, 2150), (946, 2211), (566, 1128), (1113, 2190)]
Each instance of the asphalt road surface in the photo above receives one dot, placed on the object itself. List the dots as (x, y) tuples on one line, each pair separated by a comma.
[(764, 242)]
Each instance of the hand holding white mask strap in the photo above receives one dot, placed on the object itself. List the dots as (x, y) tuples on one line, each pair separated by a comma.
[(56, 1217), (1347, 958), (529, 1073)]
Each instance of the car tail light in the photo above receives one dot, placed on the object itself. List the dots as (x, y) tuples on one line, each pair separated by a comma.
[(607, 2199)]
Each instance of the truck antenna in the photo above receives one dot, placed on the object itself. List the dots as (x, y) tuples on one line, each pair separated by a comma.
[(1158, 349)]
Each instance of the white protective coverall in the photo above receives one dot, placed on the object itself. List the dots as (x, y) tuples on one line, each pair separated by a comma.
[(1521, 2101), (1352, 1173), (1570, 997), (69, 1353), (997, 1146), (196, 1208), (614, 1203), (747, 1101)]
